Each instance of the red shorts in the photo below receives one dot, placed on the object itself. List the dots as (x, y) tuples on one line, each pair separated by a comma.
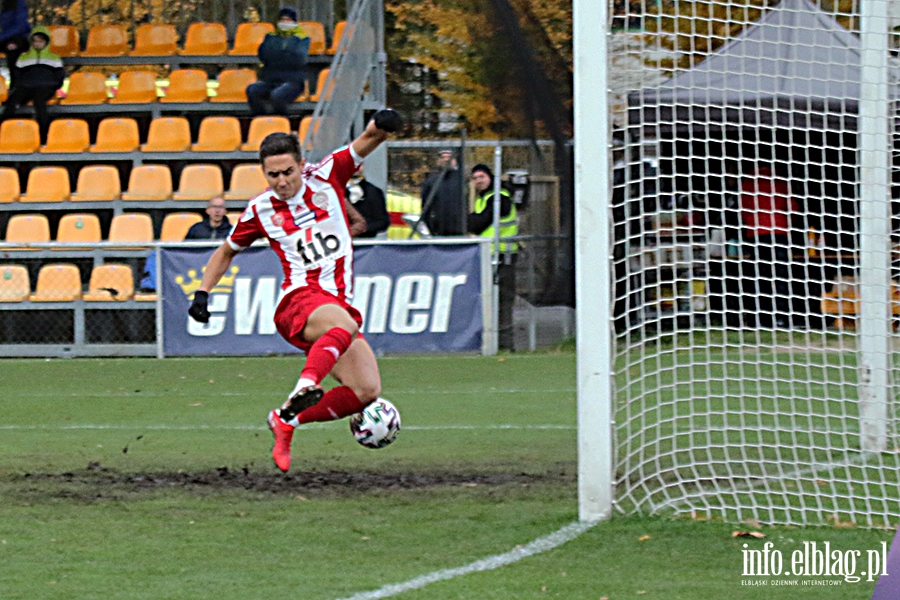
[(295, 308)]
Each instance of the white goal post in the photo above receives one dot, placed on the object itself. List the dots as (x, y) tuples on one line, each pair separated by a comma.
[(737, 202)]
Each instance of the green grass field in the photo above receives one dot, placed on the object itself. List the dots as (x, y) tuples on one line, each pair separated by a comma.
[(147, 479)]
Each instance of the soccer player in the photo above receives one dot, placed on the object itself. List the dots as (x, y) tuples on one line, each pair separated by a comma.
[(304, 219)]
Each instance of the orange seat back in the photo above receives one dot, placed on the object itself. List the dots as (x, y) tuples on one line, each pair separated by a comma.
[(86, 88), (24, 229), (97, 183), (110, 282), (67, 135), (199, 182), (320, 86), (260, 127), (247, 181), (106, 40), (64, 40), (135, 87), (10, 189), (131, 228), (168, 134), (149, 182), (187, 85), (117, 135), (205, 39), (336, 39), (316, 33), (19, 136), (57, 283), (249, 36), (79, 227), (218, 134), (155, 39), (175, 226), (47, 184), (14, 285), (233, 85)]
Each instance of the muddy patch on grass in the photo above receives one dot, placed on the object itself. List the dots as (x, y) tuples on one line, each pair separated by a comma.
[(96, 483)]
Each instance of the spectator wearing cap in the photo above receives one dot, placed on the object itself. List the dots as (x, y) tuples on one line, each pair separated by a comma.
[(481, 223), (283, 55), (40, 74), (442, 197)]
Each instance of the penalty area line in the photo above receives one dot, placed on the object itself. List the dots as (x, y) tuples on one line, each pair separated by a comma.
[(542, 544)]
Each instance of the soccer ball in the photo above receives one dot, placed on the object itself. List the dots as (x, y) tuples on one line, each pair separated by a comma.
[(377, 425)]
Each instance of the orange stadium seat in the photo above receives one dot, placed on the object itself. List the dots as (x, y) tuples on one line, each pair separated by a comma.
[(117, 135), (110, 282), (26, 229), (86, 88), (97, 183), (64, 40), (10, 189), (218, 134), (233, 217), (248, 37), (233, 85), (4, 91), (247, 181), (155, 39), (260, 127), (47, 184), (135, 87), (186, 85), (305, 124), (316, 33), (67, 135), (336, 39), (149, 182), (199, 182), (205, 39), (320, 86), (168, 134), (131, 228), (175, 226), (14, 286), (19, 136), (57, 283), (106, 40), (79, 227)]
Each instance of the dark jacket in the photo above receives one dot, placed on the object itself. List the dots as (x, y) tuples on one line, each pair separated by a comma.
[(372, 207), (204, 231), (13, 19), (445, 214), (40, 68), (283, 56)]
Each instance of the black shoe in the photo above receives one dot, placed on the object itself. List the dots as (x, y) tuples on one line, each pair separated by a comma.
[(300, 401)]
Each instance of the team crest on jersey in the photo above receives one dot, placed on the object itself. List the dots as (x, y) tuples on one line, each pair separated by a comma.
[(320, 199), (277, 220)]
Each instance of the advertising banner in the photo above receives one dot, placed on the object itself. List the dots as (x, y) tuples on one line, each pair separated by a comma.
[(413, 298)]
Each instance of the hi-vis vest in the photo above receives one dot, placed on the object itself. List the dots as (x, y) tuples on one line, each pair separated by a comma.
[(509, 225)]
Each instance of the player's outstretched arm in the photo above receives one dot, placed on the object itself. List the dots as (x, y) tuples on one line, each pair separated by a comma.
[(383, 123), (216, 266)]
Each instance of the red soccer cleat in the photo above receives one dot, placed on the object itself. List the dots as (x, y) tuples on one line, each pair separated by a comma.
[(283, 433)]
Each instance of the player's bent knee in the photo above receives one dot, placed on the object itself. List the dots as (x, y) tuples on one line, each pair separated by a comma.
[(368, 392)]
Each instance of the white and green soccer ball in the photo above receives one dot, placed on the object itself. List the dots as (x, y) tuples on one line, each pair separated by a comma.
[(377, 425)]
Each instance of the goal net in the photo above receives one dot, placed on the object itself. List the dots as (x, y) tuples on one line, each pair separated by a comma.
[(755, 283)]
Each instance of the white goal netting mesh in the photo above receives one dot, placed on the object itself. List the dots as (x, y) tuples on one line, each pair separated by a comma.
[(756, 283)]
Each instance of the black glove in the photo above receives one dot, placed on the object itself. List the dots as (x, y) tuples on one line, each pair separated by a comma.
[(388, 119), (198, 309)]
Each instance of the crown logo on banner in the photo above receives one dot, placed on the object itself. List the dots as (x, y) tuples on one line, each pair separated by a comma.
[(192, 283)]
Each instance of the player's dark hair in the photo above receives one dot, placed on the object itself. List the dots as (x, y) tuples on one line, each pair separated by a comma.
[(279, 143)]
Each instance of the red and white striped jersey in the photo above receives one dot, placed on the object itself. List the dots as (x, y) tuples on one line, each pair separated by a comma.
[(310, 232)]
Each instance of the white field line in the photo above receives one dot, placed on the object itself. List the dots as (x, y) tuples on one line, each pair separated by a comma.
[(332, 424), (542, 544)]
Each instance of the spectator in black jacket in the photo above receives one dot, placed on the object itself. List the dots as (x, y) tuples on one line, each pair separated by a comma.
[(14, 30), (214, 226), (368, 200), (283, 55), (442, 197), (40, 74)]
